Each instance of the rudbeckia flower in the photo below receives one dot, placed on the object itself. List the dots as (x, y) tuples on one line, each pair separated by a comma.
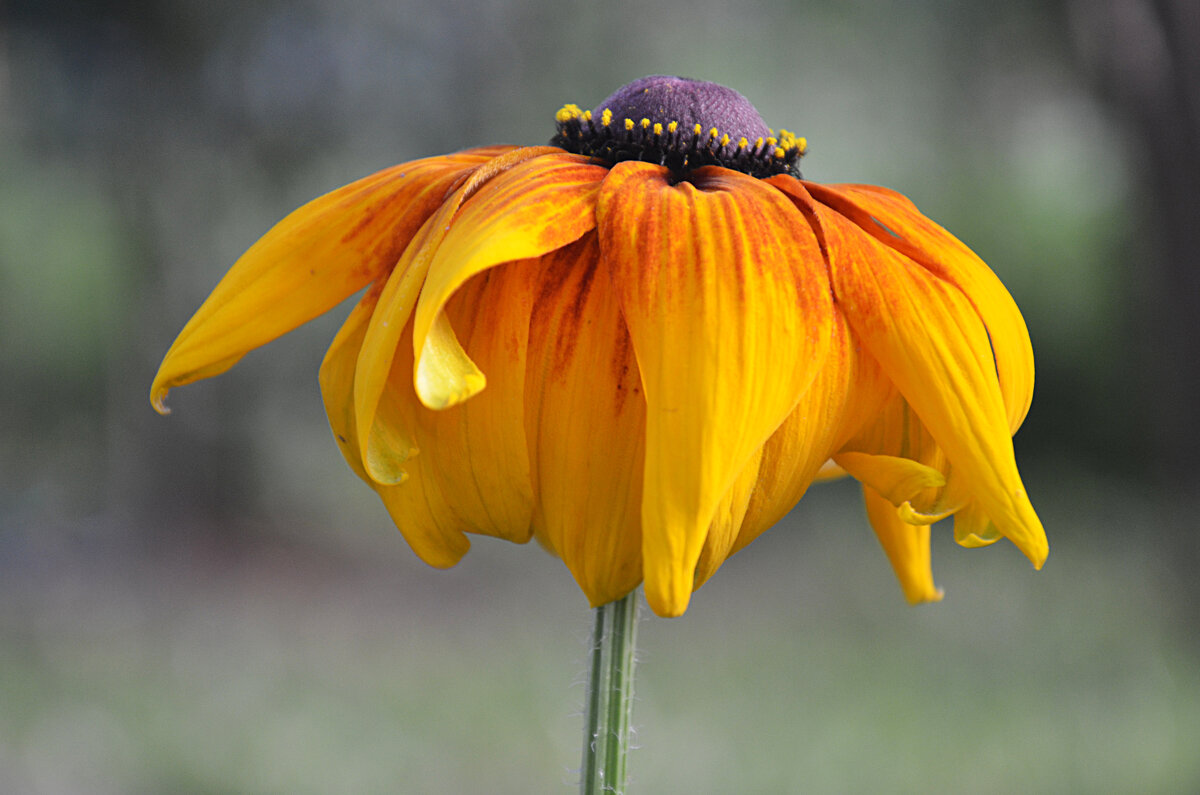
[(641, 344)]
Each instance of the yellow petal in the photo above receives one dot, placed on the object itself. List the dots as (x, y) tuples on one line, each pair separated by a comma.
[(728, 305), (844, 393), (336, 378), (972, 528), (907, 548), (724, 531), (897, 434), (897, 479), (471, 472), (479, 448), (922, 240), (585, 419), (387, 446), (417, 507), (308, 263), (531, 209), (931, 343)]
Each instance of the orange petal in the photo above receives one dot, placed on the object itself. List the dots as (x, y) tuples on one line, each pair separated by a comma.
[(531, 209), (724, 531), (928, 338), (337, 379), (585, 420), (844, 394), (728, 305), (418, 508), (385, 445), (471, 471), (308, 263), (907, 548), (896, 479), (896, 440), (478, 448), (923, 241)]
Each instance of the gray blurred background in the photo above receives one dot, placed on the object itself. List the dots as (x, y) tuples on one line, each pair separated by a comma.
[(211, 602)]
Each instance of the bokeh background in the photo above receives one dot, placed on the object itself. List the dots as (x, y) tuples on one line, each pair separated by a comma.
[(211, 602)]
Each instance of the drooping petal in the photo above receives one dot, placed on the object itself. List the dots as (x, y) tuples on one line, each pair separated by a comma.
[(897, 479), (531, 209), (470, 473), (336, 378), (929, 340), (906, 546), (897, 456), (923, 241), (386, 446), (972, 528), (585, 422), (478, 448), (417, 507), (846, 392), (727, 301), (729, 517), (308, 263)]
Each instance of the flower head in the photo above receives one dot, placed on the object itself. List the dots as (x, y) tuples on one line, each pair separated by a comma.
[(642, 344)]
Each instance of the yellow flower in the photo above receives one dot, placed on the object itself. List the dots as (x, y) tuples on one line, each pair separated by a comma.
[(642, 344)]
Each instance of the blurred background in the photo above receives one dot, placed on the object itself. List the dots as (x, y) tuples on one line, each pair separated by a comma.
[(211, 602)]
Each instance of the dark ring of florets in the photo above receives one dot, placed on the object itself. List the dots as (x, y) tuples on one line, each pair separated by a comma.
[(680, 150)]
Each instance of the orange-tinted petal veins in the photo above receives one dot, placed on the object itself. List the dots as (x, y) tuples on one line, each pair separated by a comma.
[(531, 209), (418, 508), (931, 343), (585, 422), (386, 446), (308, 263), (923, 241), (721, 285)]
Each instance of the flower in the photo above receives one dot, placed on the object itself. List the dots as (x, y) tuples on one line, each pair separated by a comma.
[(641, 344)]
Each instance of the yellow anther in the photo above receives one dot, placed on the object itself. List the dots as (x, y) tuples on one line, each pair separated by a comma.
[(725, 139), (772, 140), (743, 142), (802, 145), (758, 144), (779, 153), (697, 130), (672, 127), (645, 123), (587, 115), (713, 133), (657, 128), (629, 124), (566, 113), (606, 117)]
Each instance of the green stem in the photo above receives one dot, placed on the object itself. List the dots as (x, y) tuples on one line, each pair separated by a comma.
[(610, 697)]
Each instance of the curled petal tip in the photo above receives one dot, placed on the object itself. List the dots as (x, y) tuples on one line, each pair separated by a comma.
[(158, 398), (384, 464), (445, 375), (437, 392), (387, 477)]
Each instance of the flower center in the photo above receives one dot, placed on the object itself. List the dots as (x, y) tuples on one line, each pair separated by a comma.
[(682, 124)]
